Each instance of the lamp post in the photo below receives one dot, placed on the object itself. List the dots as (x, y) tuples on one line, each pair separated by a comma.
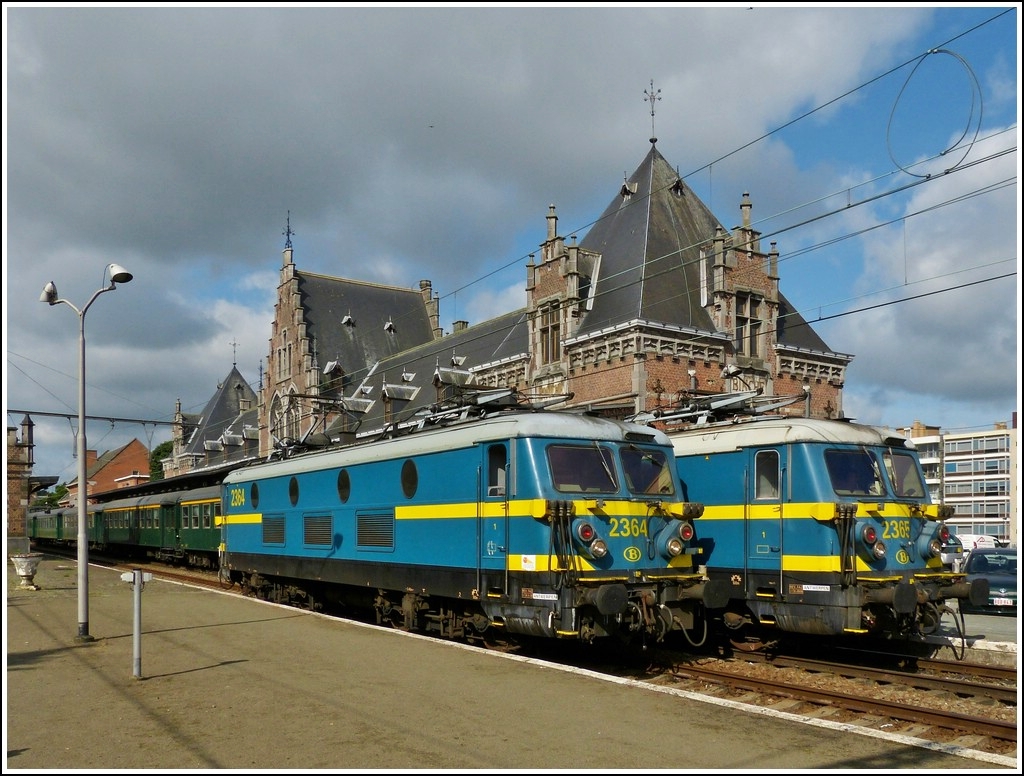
[(118, 274)]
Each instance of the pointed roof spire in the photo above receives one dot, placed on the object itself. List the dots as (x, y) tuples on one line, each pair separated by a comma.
[(652, 96), (288, 231)]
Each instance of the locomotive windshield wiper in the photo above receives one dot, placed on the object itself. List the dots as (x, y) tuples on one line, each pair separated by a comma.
[(604, 463)]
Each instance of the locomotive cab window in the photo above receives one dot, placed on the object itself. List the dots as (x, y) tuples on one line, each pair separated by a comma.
[(854, 473), (497, 467), (647, 471), (577, 469), (766, 474), (904, 475)]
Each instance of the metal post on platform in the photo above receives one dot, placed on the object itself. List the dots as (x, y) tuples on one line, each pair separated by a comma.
[(118, 274), (138, 580)]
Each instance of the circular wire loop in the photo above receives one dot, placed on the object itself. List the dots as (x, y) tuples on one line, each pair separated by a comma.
[(975, 92)]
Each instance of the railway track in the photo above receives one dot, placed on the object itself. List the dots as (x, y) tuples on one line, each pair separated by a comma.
[(929, 709), (955, 678), (967, 706)]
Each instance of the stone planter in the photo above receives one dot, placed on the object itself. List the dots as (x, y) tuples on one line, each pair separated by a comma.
[(26, 566)]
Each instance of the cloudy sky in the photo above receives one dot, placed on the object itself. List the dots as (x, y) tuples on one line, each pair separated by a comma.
[(878, 145)]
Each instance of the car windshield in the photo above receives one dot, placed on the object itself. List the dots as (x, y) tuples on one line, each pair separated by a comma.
[(985, 562)]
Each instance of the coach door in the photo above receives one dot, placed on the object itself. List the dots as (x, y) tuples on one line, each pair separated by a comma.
[(764, 513), (492, 507)]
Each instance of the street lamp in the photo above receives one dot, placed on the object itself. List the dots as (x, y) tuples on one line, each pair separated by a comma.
[(118, 274)]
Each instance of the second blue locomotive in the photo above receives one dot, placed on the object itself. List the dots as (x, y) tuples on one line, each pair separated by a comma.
[(817, 526)]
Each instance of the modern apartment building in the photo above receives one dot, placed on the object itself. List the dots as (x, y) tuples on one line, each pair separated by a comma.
[(975, 472)]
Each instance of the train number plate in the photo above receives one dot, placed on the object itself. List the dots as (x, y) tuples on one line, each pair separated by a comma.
[(1002, 601)]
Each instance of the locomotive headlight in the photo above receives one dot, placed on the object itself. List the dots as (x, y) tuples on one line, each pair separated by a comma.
[(671, 540), (587, 538), (935, 548), (585, 532), (673, 547), (869, 535)]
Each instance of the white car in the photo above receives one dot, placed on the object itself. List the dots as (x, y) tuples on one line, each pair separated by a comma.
[(972, 541), (952, 552)]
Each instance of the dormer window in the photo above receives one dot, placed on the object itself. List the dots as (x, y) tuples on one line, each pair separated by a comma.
[(550, 334), (748, 324)]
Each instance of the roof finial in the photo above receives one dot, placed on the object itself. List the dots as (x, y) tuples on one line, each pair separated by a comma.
[(652, 97), (234, 353), (288, 231)]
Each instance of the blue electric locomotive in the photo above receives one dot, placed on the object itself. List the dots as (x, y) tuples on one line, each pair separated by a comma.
[(548, 524), (817, 526)]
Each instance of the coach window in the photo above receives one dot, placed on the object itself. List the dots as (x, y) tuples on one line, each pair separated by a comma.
[(293, 491), (766, 474), (195, 515), (254, 495), (206, 516)]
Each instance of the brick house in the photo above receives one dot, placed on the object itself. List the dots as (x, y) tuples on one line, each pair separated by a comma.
[(657, 302), (115, 469)]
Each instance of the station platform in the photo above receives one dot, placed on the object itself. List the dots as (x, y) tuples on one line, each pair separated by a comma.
[(225, 682)]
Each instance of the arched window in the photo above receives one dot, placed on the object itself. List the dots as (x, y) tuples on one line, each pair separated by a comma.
[(292, 419), (277, 427)]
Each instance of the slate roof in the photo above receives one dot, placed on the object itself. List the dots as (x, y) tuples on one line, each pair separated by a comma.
[(649, 238), (103, 461), (794, 331), (499, 339), (363, 339), (649, 241), (223, 415)]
